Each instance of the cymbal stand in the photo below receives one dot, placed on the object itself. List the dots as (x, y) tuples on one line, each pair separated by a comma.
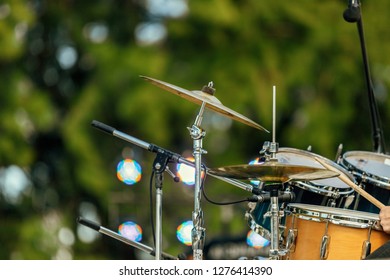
[(274, 146), (198, 230), (274, 214), (270, 150)]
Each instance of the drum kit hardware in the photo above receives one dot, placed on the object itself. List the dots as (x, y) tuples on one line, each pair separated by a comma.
[(300, 195), (307, 206), (273, 172), (205, 98)]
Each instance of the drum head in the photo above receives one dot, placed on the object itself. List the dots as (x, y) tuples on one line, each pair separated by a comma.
[(374, 166)]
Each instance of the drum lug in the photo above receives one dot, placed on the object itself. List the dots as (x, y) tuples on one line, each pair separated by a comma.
[(366, 249), (290, 240), (324, 250)]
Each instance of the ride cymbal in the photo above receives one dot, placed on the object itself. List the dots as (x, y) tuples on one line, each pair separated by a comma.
[(200, 96), (273, 172)]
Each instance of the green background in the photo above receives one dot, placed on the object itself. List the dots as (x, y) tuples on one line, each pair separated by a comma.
[(66, 63)]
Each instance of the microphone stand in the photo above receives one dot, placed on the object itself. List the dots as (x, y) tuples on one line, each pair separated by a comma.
[(163, 157), (160, 164), (353, 14), (123, 239)]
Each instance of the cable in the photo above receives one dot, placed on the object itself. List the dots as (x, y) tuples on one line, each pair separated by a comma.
[(219, 203)]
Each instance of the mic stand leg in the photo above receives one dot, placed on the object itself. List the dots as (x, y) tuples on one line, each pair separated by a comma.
[(159, 165), (121, 238), (159, 194)]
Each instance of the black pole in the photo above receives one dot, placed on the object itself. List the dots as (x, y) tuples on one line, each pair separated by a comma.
[(353, 14)]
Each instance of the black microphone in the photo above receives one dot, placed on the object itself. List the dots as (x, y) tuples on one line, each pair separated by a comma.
[(284, 197), (352, 13)]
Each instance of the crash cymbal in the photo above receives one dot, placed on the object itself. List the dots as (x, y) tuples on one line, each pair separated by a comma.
[(273, 171), (200, 96)]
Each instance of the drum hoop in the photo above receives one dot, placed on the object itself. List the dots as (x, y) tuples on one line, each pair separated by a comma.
[(310, 213), (305, 185), (323, 191), (365, 176), (253, 225)]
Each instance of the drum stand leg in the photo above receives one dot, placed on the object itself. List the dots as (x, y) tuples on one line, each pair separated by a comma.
[(358, 197), (275, 252)]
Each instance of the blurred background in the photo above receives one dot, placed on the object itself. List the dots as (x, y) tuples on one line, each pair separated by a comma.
[(66, 63)]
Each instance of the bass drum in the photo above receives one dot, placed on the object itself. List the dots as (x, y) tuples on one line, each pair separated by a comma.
[(372, 172)]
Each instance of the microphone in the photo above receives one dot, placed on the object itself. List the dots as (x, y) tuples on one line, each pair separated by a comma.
[(145, 145), (285, 197), (352, 13)]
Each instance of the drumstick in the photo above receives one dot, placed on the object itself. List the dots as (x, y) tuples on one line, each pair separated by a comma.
[(348, 181)]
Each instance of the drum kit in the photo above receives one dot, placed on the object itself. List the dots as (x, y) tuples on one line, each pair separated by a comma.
[(307, 206)]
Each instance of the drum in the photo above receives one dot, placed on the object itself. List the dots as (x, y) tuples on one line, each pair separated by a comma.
[(372, 171), (327, 192), (326, 233)]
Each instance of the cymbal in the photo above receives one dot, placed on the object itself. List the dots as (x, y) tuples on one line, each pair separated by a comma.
[(272, 171), (211, 102)]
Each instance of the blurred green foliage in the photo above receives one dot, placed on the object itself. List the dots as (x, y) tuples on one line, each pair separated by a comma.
[(66, 63)]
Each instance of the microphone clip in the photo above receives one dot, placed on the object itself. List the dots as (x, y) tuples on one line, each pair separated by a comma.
[(352, 13)]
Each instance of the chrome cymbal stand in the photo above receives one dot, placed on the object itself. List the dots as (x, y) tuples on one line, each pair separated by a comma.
[(270, 150), (197, 134), (198, 231), (274, 214)]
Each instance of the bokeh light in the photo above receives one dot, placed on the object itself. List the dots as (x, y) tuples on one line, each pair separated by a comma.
[(66, 56), (167, 8), (88, 211), (255, 240), (129, 171), (14, 184), (131, 231), (149, 33), (253, 162), (186, 173), (183, 232)]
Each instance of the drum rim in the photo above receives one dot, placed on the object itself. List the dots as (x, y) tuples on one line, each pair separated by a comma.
[(350, 218), (380, 181)]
